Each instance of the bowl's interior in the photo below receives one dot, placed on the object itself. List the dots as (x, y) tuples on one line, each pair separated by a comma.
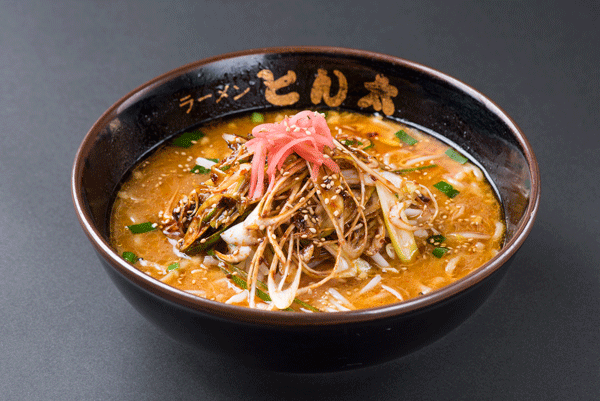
[(292, 78)]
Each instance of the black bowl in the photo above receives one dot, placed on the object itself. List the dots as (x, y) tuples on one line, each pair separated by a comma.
[(304, 78)]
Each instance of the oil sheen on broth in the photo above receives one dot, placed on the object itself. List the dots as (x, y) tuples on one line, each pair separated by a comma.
[(435, 220)]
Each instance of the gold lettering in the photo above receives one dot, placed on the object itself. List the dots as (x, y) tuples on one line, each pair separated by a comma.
[(380, 96), (322, 86), (273, 85), (187, 101)]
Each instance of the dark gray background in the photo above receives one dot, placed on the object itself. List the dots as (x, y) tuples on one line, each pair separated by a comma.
[(67, 334)]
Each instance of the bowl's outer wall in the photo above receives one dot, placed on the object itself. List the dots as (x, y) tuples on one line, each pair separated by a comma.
[(144, 119), (307, 349)]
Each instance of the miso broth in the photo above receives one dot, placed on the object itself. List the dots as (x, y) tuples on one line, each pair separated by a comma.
[(339, 250)]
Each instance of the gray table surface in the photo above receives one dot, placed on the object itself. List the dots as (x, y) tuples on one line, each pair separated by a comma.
[(66, 333)]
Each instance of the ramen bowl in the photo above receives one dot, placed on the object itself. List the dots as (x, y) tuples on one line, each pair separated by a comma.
[(304, 78)]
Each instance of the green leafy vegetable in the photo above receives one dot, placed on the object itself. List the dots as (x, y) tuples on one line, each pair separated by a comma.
[(185, 140), (130, 257), (197, 169), (404, 137), (408, 170), (446, 189), (456, 156), (173, 266), (257, 117), (214, 160), (142, 228), (439, 251)]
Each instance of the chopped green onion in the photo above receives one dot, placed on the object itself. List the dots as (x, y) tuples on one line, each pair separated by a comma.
[(214, 160), (173, 266), (142, 228), (306, 305), (439, 252), (185, 140), (351, 143), (408, 170), (436, 239), (197, 169), (456, 156), (404, 137), (257, 117), (243, 285), (446, 189), (372, 144), (225, 168), (130, 257)]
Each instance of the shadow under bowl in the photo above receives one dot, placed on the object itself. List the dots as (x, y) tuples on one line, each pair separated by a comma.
[(304, 78)]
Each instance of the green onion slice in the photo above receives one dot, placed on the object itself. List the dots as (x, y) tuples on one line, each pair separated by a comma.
[(214, 160), (351, 142), (446, 189), (404, 137), (372, 144), (237, 280), (142, 228), (436, 239), (130, 257), (173, 266), (257, 117), (456, 156), (439, 251), (185, 140), (197, 169), (408, 170)]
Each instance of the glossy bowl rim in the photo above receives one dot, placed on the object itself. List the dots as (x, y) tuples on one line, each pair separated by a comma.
[(290, 319)]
